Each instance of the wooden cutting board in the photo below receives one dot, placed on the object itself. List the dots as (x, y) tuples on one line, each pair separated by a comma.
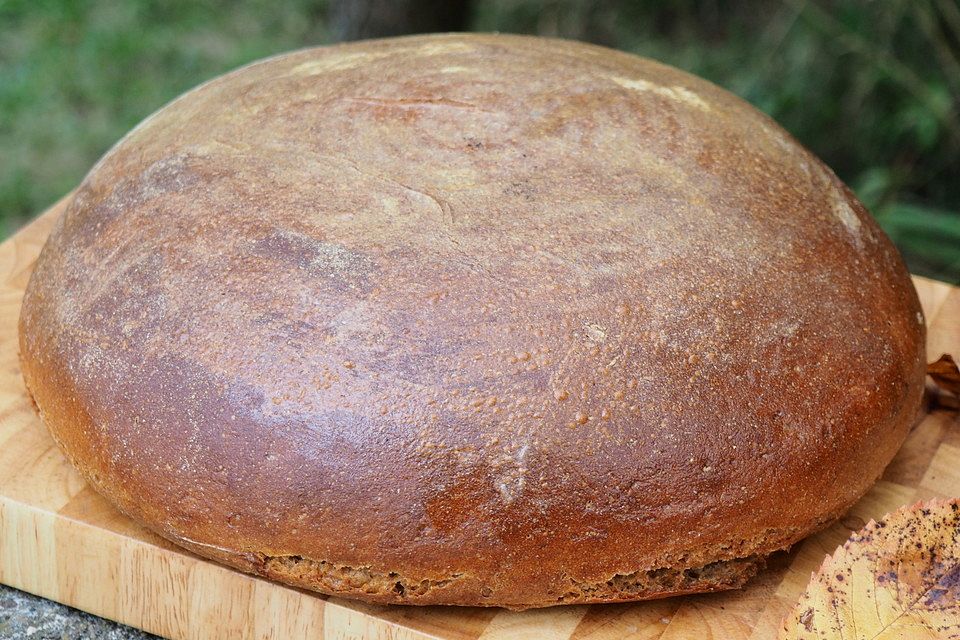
[(60, 540)]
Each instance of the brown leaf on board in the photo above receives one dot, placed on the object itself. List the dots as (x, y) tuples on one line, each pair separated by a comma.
[(945, 373), (897, 578)]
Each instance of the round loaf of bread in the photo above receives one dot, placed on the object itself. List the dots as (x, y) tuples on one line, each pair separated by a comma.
[(473, 319)]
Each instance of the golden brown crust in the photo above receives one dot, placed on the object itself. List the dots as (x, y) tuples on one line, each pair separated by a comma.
[(497, 315)]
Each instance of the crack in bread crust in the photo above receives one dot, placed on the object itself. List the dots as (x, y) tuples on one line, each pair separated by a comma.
[(328, 577), (337, 579)]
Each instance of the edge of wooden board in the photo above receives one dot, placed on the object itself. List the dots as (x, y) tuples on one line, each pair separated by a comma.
[(69, 561)]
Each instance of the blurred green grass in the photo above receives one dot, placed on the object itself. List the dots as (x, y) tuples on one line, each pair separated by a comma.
[(75, 76), (871, 87)]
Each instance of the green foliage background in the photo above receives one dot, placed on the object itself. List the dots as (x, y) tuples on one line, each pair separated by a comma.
[(871, 87)]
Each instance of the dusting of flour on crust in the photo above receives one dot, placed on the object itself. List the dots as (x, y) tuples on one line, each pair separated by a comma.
[(673, 92)]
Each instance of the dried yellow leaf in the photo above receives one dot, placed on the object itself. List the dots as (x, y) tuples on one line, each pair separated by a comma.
[(897, 578)]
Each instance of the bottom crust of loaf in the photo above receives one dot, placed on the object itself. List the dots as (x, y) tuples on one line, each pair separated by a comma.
[(392, 588), (364, 583)]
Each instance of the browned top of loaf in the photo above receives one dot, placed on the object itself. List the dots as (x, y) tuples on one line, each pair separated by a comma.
[(520, 310)]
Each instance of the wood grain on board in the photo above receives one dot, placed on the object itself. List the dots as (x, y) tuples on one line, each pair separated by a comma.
[(60, 540)]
